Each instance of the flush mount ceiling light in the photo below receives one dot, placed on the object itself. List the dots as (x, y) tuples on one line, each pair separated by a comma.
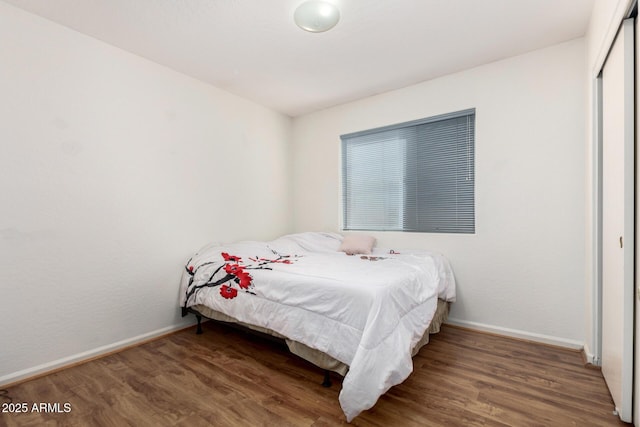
[(316, 16)]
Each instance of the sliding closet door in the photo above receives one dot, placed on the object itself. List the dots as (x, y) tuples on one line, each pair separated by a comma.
[(618, 216)]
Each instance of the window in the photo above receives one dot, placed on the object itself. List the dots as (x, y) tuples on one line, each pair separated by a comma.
[(415, 176)]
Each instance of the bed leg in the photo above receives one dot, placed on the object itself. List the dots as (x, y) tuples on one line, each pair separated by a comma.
[(199, 329), (327, 379)]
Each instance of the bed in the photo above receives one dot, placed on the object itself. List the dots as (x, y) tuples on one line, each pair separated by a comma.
[(343, 306)]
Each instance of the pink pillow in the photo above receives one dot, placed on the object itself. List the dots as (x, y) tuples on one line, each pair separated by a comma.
[(357, 244)]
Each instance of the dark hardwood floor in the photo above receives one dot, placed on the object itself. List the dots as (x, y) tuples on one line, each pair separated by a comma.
[(228, 378)]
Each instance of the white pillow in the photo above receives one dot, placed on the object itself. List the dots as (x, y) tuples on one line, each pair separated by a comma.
[(357, 244)]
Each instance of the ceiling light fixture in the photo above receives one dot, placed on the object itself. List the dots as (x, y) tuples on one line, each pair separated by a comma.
[(316, 16)]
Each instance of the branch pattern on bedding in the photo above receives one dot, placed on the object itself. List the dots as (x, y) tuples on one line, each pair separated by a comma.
[(231, 274)]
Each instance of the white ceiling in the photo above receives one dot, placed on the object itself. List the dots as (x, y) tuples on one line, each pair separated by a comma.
[(253, 49)]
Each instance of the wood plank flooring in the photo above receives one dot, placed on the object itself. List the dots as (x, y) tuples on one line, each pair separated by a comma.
[(227, 377)]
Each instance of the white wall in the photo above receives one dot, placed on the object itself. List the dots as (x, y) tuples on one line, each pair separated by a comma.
[(523, 272), (113, 170)]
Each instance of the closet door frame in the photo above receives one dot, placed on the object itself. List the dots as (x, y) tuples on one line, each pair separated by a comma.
[(614, 344)]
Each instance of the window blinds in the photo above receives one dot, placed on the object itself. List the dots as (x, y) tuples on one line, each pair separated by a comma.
[(416, 176)]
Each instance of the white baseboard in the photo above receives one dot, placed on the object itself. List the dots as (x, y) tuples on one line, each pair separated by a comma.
[(514, 333), (590, 357), (87, 355)]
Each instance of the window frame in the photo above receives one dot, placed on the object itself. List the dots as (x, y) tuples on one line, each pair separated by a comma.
[(467, 223)]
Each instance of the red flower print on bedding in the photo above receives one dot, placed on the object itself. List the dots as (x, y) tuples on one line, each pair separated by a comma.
[(244, 279), (232, 258), (228, 292), (232, 269), (230, 274), (240, 277)]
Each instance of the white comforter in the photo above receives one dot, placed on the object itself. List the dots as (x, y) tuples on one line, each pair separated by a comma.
[(365, 312)]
